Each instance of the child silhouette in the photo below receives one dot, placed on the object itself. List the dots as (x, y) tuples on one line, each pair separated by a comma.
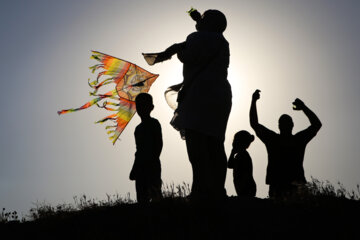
[(240, 162), (146, 170)]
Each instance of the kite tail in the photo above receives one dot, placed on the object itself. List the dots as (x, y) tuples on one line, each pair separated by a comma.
[(86, 105), (95, 67), (126, 110), (113, 129), (106, 104), (110, 117), (96, 85), (110, 94)]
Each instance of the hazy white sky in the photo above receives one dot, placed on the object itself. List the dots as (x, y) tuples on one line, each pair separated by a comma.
[(287, 48)]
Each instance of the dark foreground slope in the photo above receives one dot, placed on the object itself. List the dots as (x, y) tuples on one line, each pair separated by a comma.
[(176, 218)]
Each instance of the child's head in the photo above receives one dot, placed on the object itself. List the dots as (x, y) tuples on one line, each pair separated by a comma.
[(242, 140), (144, 104), (212, 20)]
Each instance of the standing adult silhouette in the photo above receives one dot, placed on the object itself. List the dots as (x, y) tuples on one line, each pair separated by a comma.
[(204, 102), (286, 151)]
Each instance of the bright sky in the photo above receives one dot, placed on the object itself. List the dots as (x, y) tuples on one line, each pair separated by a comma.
[(287, 48)]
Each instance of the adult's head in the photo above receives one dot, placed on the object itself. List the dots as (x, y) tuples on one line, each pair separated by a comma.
[(286, 124), (211, 21), (144, 104), (242, 139)]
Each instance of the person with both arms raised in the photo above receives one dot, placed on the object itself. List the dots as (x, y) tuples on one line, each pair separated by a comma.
[(285, 171)]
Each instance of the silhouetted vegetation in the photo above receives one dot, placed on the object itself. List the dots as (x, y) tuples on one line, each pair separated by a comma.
[(319, 210)]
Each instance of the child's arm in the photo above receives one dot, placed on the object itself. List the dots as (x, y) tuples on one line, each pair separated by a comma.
[(157, 140), (134, 168), (231, 159)]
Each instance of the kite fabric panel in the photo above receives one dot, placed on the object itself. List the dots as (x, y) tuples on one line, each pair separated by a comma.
[(129, 80)]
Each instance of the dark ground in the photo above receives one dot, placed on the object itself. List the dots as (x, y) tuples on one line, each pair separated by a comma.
[(176, 218)]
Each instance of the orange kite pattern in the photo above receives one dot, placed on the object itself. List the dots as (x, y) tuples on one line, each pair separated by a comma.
[(129, 80)]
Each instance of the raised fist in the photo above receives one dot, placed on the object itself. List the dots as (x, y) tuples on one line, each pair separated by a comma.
[(256, 95), (298, 104)]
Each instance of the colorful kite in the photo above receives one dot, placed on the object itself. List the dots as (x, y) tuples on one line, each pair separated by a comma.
[(129, 80)]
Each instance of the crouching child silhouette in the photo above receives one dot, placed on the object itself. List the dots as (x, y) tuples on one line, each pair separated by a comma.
[(146, 170), (241, 163)]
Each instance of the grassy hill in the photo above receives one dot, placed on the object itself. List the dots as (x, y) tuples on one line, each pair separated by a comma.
[(321, 212)]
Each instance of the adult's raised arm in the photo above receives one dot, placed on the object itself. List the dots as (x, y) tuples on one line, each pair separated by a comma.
[(254, 122), (314, 120), (263, 133)]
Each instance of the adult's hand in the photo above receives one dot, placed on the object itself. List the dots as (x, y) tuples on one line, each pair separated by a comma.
[(298, 105), (256, 95), (152, 58)]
